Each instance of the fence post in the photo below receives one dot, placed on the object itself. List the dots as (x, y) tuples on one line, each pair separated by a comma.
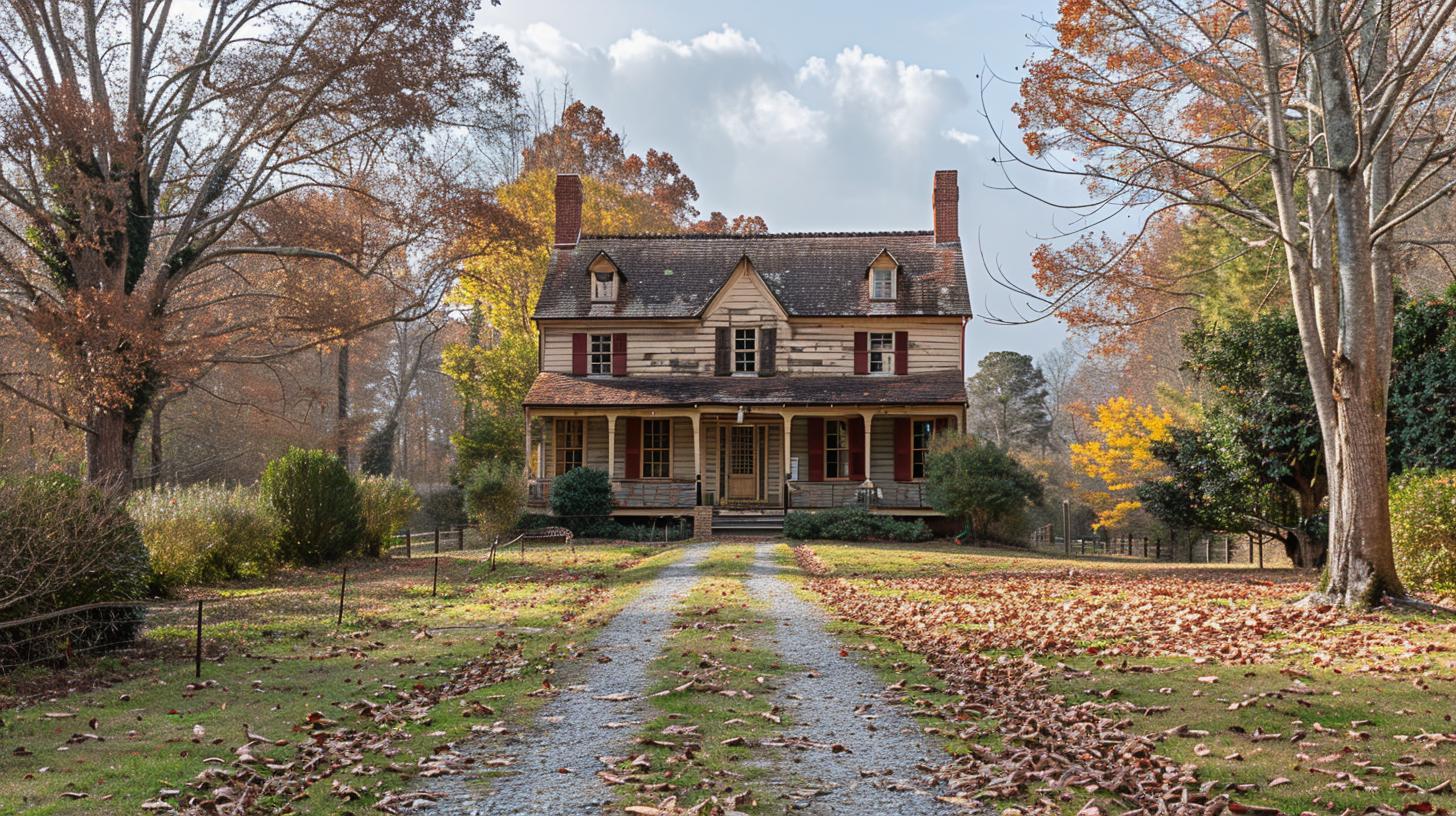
[(1228, 549), (343, 582), (197, 659), (1157, 549), (408, 538), (1249, 539), (435, 582), (437, 541)]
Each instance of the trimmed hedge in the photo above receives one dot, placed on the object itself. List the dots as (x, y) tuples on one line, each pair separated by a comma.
[(852, 524), (317, 505)]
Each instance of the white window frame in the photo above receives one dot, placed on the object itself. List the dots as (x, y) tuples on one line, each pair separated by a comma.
[(665, 449), (598, 361), (888, 274), (837, 430), (745, 357), (921, 432), (881, 349), (604, 290)]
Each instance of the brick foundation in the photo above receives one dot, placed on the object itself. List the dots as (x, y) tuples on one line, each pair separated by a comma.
[(702, 522)]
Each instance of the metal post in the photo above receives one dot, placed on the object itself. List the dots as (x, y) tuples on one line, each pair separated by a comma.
[(197, 661), (343, 582), (435, 584), (437, 541), (408, 537)]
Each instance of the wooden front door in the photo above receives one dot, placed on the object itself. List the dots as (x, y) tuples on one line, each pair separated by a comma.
[(743, 463)]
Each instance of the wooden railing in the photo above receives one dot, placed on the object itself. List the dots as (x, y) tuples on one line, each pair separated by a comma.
[(673, 494), (888, 495)]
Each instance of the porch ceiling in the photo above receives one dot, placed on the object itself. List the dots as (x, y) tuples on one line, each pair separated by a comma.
[(562, 390)]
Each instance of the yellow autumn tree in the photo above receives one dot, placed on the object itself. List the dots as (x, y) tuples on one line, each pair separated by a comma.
[(1122, 456)]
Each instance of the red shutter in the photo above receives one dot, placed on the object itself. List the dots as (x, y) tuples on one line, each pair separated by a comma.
[(861, 352), (578, 354), (857, 448), (902, 449), (634, 448), (619, 355), (902, 352), (816, 449)]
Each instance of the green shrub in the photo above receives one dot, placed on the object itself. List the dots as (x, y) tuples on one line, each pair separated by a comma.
[(536, 521), (495, 495), (204, 534), (387, 504), (66, 544), (317, 506), (442, 506), (581, 498), (852, 524), (1423, 529), (976, 481)]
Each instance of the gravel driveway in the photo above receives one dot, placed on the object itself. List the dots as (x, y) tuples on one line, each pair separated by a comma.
[(573, 727), (877, 775)]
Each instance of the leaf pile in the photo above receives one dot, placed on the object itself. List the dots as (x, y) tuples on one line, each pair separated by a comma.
[(255, 783), (1225, 617)]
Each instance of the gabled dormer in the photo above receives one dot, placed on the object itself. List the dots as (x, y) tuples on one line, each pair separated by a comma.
[(884, 277), (605, 279)]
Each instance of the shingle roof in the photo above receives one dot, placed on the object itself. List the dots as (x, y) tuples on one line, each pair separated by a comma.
[(811, 274), (562, 390)]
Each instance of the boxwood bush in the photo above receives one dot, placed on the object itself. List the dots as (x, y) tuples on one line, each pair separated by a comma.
[(317, 505), (582, 499), (66, 544), (495, 496), (1423, 529), (852, 524), (204, 533)]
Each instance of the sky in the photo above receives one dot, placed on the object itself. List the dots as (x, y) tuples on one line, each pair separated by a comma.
[(820, 115)]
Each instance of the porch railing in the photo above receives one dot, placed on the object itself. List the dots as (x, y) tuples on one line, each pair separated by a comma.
[(889, 495), (630, 494)]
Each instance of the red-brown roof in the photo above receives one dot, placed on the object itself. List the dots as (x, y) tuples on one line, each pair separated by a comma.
[(563, 390)]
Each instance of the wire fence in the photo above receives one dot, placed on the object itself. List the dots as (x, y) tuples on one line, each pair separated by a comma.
[(298, 605), (1228, 549)]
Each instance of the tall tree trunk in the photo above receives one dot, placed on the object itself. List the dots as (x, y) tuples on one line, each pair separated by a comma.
[(110, 445), (341, 430)]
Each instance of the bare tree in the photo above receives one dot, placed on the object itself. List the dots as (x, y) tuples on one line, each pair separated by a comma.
[(142, 141), (1165, 105)]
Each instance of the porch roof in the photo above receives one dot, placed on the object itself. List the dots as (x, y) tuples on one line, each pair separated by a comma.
[(562, 390)]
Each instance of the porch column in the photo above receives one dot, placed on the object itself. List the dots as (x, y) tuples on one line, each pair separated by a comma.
[(527, 465), (697, 420), (869, 423), (611, 447), (788, 430)]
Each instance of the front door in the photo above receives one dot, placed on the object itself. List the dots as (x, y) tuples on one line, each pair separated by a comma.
[(742, 463)]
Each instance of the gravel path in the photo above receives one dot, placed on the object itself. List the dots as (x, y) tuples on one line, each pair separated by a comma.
[(877, 775), (573, 728)]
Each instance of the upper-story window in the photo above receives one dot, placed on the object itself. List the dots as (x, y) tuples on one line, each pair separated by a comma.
[(745, 350), (882, 352), (882, 284), (604, 286), (599, 354)]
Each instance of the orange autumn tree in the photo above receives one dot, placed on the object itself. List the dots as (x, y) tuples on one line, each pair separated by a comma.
[(1320, 128), (1121, 456)]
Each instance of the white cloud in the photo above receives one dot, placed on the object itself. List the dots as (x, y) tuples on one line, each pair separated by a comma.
[(543, 51), (764, 115), (911, 96), (640, 47), (960, 136), (814, 69)]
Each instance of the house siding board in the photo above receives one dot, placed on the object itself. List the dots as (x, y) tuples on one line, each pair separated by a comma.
[(560, 390)]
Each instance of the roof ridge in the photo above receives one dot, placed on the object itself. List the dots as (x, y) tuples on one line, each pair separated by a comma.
[(762, 236)]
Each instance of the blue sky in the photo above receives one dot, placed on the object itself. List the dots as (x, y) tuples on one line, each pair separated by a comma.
[(815, 115)]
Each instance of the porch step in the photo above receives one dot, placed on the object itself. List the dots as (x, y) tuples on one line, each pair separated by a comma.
[(741, 524)]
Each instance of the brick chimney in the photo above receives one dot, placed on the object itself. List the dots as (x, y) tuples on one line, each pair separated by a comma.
[(945, 199), (568, 209)]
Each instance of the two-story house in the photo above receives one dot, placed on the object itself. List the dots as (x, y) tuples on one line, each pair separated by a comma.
[(749, 373)]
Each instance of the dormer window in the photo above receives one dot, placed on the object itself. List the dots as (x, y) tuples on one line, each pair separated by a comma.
[(604, 278), (604, 286), (882, 277)]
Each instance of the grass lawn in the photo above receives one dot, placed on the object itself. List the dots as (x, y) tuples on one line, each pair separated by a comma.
[(278, 669), (1271, 704)]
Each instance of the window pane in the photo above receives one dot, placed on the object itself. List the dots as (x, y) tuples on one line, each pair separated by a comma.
[(570, 436), (745, 349), (656, 458), (601, 354), (882, 284)]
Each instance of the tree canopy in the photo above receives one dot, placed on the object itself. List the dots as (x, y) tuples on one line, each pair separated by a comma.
[(1008, 401)]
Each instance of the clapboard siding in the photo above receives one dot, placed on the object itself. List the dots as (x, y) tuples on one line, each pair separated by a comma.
[(805, 347)]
